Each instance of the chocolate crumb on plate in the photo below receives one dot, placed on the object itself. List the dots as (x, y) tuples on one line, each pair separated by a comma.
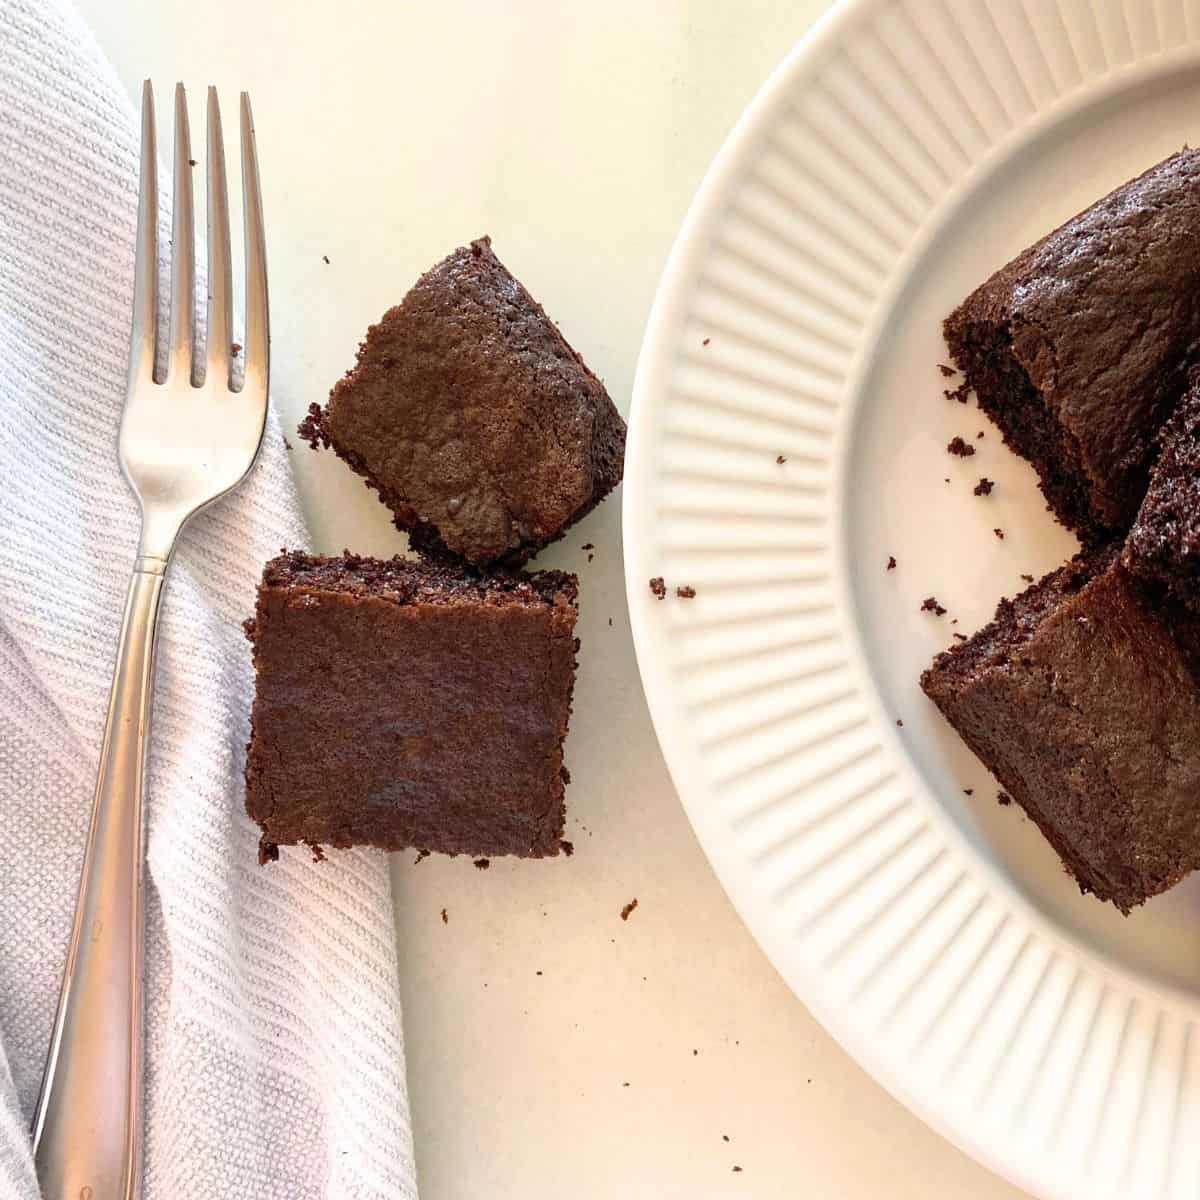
[(568, 848), (325, 259), (962, 637), (628, 909), (1027, 578), (984, 487), (960, 447), (780, 459), (891, 562), (420, 855), (686, 593), (482, 864), (658, 587), (706, 341), (999, 533), (899, 723), (968, 791), (587, 546), (930, 604), (445, 917), (948, 371), (1004, 798)]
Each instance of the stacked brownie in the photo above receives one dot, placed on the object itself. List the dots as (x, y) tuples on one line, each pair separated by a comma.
[(1083, 694), (424, 702)]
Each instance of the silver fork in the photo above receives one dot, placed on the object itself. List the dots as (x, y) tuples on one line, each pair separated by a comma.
[(188, 435)]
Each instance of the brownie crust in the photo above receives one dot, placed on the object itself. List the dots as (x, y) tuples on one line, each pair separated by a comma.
[(476, 422), (1164, 544), (402, 704), (1081, 697), (1078, 348)]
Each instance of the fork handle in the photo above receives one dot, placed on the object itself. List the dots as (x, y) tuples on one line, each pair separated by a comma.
[(87, 1131)]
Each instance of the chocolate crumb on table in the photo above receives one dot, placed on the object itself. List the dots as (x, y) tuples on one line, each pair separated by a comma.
[(999, 533), (960, 447), (780, 459), (686, 593), (736, 1170), (658, 587), (628, 909), (587, 546), (968, 791), (930, 604), (984, 487), (325, 259), (948, 371), (445, 917), (891, 562)]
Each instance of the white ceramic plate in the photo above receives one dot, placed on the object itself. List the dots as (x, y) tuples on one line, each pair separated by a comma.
[(902, 153)]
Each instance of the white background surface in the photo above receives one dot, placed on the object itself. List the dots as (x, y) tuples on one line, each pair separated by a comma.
[(575, 134)]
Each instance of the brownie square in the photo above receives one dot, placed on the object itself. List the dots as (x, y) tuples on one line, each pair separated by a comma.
[(1164, 543), (476, 422), (1078, 348), (1081, 697), (403, 704)]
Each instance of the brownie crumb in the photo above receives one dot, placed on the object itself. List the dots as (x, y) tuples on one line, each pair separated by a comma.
[(960, 447), (286, 444), (568, 848), (1004, 798), (325, 259), (968, 791), (482, 864), (628, 909), (780, 459), (191, 162), (267, 852), (984, 487), (930, 604), (318, 854), (590, 557), (736, 1170), (587, 546), (891, 563), (1027, 578), (312, 428), (979, 434), (610, 621), (445, 917), (948, 371), (962, 637), (420, 855), (947, 479), (235, 348), (658, 587), (953, 620), (686, 593), (724, 1137), (959, 393), (706, 341), (899, 723), (999, 533)]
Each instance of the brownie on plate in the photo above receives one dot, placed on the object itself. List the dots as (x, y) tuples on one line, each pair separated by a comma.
[(1164, 543), (1082, 698), (473, 418), (404, 704), (1078, 349)]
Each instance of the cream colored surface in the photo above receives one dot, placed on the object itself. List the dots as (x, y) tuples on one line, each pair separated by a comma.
[(575, 134)]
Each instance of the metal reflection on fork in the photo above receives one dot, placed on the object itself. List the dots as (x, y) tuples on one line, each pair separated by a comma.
[(189, 434)]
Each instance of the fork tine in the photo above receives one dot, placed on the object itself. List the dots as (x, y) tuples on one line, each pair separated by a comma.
[(258, 332), (220, 272), (183, 250), (145, 269)]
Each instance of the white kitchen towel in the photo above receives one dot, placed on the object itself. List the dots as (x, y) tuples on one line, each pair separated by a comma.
[(275, 1063)]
